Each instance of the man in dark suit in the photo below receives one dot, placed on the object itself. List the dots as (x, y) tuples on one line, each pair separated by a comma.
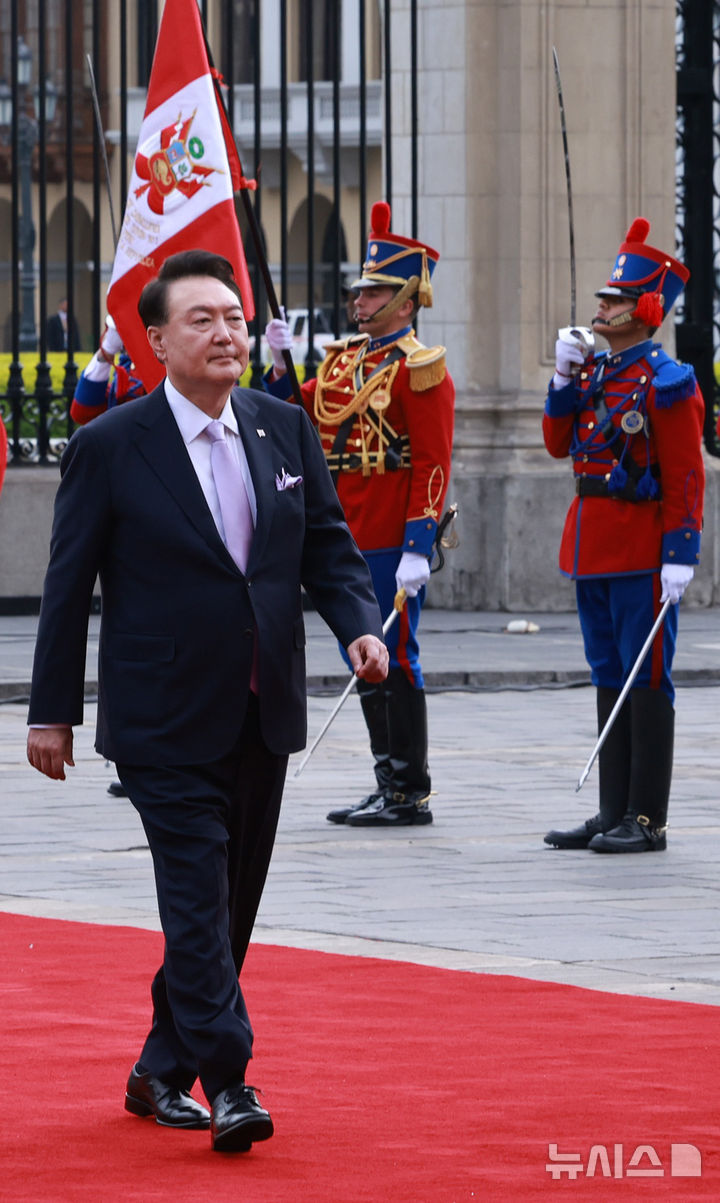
[(202, 667), (56, 330)]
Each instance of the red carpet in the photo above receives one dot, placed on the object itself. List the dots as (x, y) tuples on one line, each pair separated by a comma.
[(387, 1082)]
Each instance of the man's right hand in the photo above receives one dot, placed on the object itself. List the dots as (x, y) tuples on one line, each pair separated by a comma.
[(279, 339), (49, 749), (568, 358), (111, 343)]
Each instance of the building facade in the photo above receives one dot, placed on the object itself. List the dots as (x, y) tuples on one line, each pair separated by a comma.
[(460, 117)]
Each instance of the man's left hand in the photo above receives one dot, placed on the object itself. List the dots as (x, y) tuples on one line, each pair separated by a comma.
[(369, 658)]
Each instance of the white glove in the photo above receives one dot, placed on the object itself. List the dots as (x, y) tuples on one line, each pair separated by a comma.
[(675, 579), (412, 573), (111, 341), (279, 339), (569, 356)]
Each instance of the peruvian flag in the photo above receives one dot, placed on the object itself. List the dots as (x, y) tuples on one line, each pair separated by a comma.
[(181, 192)]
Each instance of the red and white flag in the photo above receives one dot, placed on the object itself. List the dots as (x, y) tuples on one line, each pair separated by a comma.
[(181, 192)]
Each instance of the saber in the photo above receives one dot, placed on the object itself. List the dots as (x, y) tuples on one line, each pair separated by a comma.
[(103, 150), (625, 690), (568, 181), (441, 540), (398, 604)]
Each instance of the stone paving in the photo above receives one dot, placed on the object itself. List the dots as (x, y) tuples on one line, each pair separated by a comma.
[(512, 725)]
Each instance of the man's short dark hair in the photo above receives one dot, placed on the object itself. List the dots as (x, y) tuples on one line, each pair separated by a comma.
[(152, 305)]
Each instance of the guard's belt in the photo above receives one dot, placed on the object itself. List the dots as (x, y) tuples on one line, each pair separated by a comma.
[(397, 455), (597, 486)]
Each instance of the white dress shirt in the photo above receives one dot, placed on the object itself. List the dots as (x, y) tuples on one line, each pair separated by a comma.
[(192, 422)]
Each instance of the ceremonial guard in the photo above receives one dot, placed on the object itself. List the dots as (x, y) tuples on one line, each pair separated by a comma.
[(383, 405), (631, 418), (96, 391)]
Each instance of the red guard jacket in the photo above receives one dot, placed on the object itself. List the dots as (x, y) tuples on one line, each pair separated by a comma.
[(392, 461), (632, 423)]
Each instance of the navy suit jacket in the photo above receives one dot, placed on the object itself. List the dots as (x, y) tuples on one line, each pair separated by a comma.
[(178, 616)]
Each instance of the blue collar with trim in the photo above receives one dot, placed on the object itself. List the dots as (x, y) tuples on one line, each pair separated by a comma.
[(386, 339)]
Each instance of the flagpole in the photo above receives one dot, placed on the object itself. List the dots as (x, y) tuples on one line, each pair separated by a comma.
[(256, 236)]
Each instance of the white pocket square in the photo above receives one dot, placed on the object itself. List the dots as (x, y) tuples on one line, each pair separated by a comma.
[(286, 482)]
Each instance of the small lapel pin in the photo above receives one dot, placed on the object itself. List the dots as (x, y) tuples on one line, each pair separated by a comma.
[(261, 432)]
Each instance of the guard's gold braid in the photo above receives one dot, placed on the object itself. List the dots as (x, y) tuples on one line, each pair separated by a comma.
[(378, 404), (364, 456), (437, 482), (358, 403)]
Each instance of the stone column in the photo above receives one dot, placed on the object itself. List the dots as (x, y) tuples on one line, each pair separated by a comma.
[(493, 201)]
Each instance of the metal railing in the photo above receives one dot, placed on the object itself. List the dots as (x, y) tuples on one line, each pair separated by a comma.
[(697, 321), (336, 127)]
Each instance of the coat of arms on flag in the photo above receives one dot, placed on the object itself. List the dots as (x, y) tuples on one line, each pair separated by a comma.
[(177, 167), (181, 193)]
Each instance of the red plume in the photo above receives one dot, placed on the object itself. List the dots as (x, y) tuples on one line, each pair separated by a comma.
[(380, 219), (638, 231), (649, 309)]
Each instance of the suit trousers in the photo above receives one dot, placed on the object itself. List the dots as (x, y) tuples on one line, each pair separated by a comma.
[(211, 829)]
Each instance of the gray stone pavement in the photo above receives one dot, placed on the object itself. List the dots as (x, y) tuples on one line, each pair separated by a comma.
[(511, 725)]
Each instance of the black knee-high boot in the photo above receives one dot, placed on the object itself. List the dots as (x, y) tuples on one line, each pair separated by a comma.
[(653, 737), (614, 773), (643, 827), (614, 758), (374, 708), (407, 738), (405, 800)]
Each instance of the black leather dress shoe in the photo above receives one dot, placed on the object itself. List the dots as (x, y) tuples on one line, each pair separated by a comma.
[(238, 1120), (117, 790), (172, 1107), (342, 813), (635, 834), (577, 837), (394, 810)]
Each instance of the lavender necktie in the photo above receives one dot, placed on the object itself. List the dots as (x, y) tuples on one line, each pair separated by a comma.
[(232, 496)]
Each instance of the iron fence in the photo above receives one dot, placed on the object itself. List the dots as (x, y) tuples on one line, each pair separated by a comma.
[(698, 198), (309, 83)]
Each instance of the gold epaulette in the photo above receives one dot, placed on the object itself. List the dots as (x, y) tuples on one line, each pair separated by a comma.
[(426, 366), (343, 344), (409, 343)]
